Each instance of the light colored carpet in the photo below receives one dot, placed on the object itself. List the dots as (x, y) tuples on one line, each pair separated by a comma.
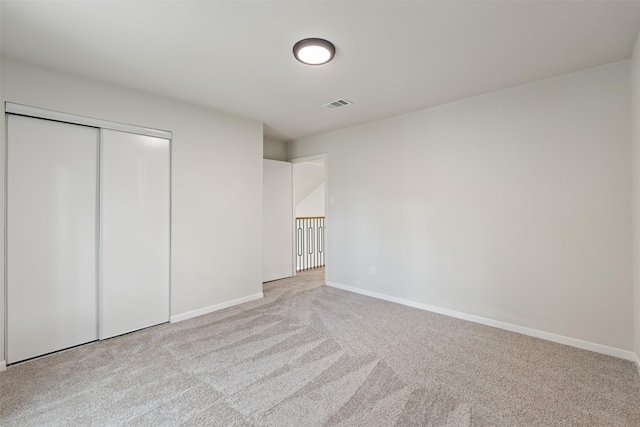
[(310, 355)]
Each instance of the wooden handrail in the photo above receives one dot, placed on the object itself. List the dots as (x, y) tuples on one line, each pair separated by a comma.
[(310, 217)]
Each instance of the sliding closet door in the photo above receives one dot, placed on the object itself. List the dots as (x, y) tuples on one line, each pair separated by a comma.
[(134, 232), (51, 236)]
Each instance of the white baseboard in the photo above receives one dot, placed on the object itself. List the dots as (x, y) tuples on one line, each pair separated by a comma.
[(637, 363), (3, 366), (573, 342), (215, 307)]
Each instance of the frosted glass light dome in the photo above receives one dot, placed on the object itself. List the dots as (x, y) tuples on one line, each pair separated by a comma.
[(314, 51)]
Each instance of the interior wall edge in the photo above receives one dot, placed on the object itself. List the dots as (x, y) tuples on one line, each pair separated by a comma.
[(635, 178), (560, 339), (216, 307), (3, 366)]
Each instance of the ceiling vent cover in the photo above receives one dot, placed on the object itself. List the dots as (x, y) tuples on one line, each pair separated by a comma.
[(338, 103)]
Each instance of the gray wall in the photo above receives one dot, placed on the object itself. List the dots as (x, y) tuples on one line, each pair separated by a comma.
[(274, 150), (217, 179), (308, 189), (513, 206), (635, 130)]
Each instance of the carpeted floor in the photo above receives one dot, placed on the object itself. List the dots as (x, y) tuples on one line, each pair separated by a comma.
[(310, 355)]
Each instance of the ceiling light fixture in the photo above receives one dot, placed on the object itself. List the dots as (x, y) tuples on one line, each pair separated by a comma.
[(314, 51)]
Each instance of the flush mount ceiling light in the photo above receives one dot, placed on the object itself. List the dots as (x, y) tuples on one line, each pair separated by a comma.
[(314, 51)]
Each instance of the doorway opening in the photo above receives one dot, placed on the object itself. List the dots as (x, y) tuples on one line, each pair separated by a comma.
[(309, 204)]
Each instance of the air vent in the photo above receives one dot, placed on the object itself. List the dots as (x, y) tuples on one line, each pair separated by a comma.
[(338, 103)]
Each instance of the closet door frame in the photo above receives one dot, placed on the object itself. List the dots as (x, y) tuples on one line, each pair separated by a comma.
[(41, 113)]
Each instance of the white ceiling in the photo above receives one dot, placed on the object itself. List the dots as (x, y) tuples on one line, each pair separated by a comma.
[(392, 57)]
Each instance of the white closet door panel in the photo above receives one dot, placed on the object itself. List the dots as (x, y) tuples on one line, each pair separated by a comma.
[(277, 220), (51, 236), (134, 232)]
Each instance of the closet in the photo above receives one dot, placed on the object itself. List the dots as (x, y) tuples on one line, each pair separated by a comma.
[(88, 230)]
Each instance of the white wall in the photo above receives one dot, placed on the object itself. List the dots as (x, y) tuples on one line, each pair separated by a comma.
[(216, 179), (513, 206), (308, 188), (274, 150), (313, 204), (635, 141)]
